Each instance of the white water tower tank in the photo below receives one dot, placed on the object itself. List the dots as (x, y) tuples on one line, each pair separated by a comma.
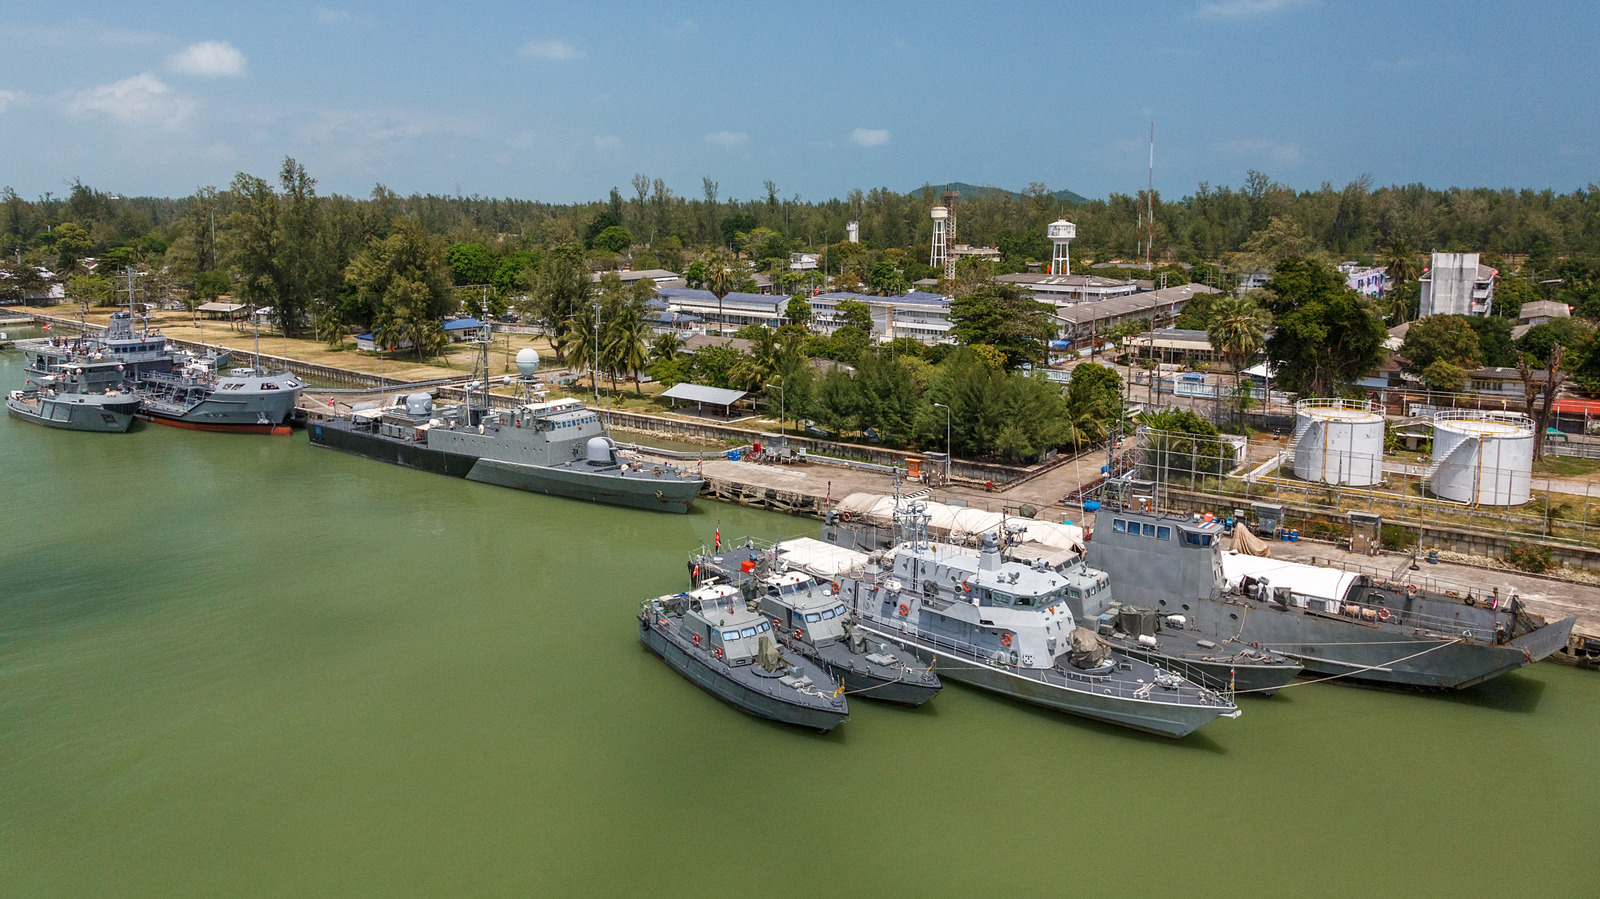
[(528, 361), (1480, 457), (1338, 441)]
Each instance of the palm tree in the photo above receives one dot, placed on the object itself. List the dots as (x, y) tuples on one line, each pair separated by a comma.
[(755, 368), (720, 281), (578, 340), (1401, 263), (625, 348), (667, 347), (1237, 328)]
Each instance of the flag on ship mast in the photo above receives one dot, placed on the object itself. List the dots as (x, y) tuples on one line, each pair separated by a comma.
[(719, 537)]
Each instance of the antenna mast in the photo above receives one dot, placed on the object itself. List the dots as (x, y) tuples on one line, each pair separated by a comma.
[(1150, 203)]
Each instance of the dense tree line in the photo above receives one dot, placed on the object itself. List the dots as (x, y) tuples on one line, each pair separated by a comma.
[(1551, 235), (329, 264)]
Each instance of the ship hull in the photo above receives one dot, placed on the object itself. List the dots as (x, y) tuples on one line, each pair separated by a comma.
[(105, 418), (1161, 719), (1246, 678), (662, 496), (860, 680), (729, 691), (1331, 646)]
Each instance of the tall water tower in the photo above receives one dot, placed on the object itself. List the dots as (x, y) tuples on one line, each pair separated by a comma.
[(941, 218), (1061, 233), (854, 230)]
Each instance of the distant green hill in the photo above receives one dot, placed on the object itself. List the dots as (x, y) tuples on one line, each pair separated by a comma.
[(973, 190)]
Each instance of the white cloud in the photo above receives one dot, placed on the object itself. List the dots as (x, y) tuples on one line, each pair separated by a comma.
[(869, 137), (209, 59), (332, 16), (144, 98), (555, 50), (1244, 9), (7, 98), (728, 139), (1281, 153)]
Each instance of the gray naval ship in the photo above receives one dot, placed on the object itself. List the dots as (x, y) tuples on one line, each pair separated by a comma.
[(61, 400), (120, 356), (809, 618), (1333, 622), (243, 400), (1007, 627), (1158, 636), (558, 447), (713, 637)]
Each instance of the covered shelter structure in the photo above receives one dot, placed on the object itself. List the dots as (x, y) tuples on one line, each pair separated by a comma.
[(224, 311), (702, 395)]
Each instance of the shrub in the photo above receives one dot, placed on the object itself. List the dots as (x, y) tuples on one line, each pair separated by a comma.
[(1530, 557), (1396, 537)]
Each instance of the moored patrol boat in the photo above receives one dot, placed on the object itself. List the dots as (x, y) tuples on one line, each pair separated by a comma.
[(59, 402), (1335, 623), (711, 636), (1006, 627), (809, 618)]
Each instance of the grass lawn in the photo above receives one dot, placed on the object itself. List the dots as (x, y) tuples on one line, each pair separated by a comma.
[(1566, 466)]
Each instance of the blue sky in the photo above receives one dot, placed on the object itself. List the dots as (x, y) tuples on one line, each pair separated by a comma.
[(561, 102)]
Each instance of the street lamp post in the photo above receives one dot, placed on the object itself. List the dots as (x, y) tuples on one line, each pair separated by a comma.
[(946, 440), (784, 435)]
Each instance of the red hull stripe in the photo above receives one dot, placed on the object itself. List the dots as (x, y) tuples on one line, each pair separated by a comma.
[(235, 429)]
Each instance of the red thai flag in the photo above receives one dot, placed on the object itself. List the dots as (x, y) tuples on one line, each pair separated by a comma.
[(47, 326), (719, 538)]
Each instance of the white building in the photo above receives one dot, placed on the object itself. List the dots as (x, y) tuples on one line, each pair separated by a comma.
[(734, 310), (923, 317), (1368, 279), (1457, 284)]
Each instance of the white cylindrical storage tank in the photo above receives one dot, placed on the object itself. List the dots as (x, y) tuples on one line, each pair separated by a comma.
[(1485, 458), (1338, 441)]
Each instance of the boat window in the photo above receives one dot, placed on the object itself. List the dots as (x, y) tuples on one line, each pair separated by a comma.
[(827, 614), (1023, 602), (764, 627), (838, 610), (1149, 529), (1074, 592), (1163, 533), (1197, 539), (729, 636), (1119, 525), (813, 617), (748, 632)]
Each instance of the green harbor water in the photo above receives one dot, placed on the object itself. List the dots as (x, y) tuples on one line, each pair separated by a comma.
[(239, 666)]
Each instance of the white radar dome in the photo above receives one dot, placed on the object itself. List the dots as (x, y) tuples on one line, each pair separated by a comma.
[(527, 361)]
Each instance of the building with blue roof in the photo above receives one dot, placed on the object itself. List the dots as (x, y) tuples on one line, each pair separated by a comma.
[(465, 330), (734, 310)]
